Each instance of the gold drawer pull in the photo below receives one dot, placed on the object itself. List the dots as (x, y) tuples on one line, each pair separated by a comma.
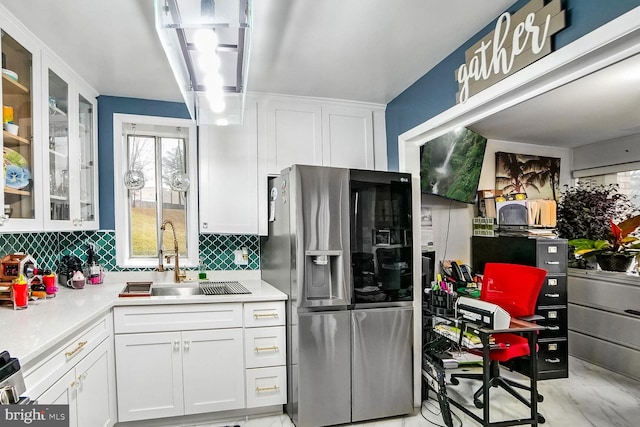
[(272, 388), (271, 348), (259, 315), (77, 349)]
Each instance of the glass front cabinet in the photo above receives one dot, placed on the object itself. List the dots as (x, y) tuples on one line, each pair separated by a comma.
[(71, 192), (48, 140), (21, 195)]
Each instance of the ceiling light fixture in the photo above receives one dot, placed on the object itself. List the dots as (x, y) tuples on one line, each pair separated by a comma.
[(207, 43)]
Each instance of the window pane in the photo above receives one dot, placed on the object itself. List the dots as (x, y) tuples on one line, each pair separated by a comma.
[(174, 202), (142, 203)]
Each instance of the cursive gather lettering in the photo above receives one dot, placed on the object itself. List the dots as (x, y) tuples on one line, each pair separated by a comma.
[(502, 58)]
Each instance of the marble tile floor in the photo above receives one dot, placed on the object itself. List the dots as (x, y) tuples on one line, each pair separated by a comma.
[(590, 397)]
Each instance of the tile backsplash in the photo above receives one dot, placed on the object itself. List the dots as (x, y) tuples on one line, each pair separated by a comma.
[(47, 248)]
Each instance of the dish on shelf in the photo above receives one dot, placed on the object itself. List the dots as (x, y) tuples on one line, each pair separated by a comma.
[(11, 74), (17, 172)]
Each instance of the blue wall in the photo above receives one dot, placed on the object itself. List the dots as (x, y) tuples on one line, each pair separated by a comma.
[(107, 107), (435, 92)]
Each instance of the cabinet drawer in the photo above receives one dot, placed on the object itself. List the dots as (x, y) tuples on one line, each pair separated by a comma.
[(266, 386), (617, 328), (614, 357), (555, 318), (258, 314), (178, 317), (554, 291), (553, 360), (552, 256), (65, 357), (553, 355), (601, 293), (264, 347)]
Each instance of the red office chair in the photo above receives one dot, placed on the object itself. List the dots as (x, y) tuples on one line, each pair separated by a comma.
[(515, 288)]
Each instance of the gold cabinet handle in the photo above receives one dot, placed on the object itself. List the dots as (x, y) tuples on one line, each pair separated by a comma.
[(271, 348), (272, 388), (259, 315), (75, 350)]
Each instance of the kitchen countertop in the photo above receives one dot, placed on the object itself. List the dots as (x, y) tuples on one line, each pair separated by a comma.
[(27, 334)]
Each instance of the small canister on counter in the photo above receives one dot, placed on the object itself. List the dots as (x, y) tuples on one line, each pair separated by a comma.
[(49, 280), (20, 293)]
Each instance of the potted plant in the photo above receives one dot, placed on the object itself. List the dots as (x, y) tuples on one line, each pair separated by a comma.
[(587, 216), (618, 252)]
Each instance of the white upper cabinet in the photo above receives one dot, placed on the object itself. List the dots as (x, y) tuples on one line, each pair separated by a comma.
[(49, 138), (294, 135), (70, 156), (347, 135), (280, 131), (228, 157), (21, 135)]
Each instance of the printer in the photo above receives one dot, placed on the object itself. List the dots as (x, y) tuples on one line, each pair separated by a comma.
[(482, 313)]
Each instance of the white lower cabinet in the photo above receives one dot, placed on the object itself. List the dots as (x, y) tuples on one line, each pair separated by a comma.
[(88, 389), (190, 359), (173, 373), (265, 354), (164, 374)]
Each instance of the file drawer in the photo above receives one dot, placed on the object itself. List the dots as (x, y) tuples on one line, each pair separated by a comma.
[(264, 347), (553, 355), (554, 291), (555, 319), (552, 256), (266, 386)]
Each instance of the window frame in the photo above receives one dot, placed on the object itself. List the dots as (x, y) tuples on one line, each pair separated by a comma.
[(120, 161)]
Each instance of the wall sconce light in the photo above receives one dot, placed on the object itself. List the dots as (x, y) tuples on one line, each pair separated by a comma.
[(207, 43)]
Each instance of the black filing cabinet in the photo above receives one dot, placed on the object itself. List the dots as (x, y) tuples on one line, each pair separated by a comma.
[(551, 255)]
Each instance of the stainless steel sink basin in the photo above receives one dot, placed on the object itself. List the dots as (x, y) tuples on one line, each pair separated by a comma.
[(201, 288), (175, 290)]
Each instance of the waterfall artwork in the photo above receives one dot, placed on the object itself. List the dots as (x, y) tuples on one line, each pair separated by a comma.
[(450, 165)]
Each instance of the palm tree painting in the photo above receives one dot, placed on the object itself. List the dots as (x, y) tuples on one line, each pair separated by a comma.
[(537, 177)]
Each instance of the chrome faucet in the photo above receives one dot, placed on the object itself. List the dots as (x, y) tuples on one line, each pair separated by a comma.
[(177, 276)]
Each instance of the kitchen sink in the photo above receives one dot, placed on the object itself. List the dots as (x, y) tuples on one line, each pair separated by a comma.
[(201, 288), (175, 290)]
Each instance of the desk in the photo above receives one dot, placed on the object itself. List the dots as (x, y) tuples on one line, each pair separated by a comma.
[(516, 326)]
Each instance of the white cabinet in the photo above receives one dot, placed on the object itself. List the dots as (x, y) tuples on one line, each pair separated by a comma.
[(21, 138), (80, 374), (324, 133), (265, 354), (70, 156), (347, 135), (228, 158), (294, 134), (88, 390), (50, 152), (178, 372), (279, 131), (186, 359)]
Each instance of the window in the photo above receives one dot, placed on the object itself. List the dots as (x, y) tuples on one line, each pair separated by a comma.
[(628, 182), (155, 181)]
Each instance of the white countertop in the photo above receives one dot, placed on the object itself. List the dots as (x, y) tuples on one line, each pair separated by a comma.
[(30, 332)]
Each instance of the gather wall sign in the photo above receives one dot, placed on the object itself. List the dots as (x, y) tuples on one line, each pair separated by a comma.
[(517, 41)]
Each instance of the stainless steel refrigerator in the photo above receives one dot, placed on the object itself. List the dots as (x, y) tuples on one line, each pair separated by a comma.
[(340, 246)]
